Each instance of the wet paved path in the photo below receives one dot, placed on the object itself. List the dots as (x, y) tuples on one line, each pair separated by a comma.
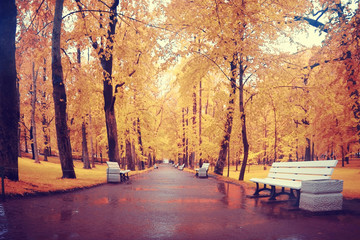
[(168, 204)]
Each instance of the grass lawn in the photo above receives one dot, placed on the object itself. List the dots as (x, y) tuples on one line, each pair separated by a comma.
[(46, 177)]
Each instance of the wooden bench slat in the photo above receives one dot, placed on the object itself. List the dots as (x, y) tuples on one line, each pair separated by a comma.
[(317, 171), (297, 177), (321, 163), (278, 182)]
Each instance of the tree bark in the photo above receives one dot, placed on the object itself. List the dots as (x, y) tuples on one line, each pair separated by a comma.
[(130, 162), (31, 135), (140, 143), (275, 132), (91, 143), (45, 122), (243, 122), (9, 95), (313, 151), (149, 160), (220, 163), (185, 137), (307, 150), (25, 140), (45, 125), (33, 111), (59, 95), (200, 116), (85, 151), (192, 158)]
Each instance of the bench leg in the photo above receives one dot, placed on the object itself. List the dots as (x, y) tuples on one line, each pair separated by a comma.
[(297, 202), (258, 189), (291, 194), (121, 177), (273, 193), (124, 177)]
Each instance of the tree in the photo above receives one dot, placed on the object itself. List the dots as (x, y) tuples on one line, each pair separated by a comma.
[(224, 147), (9, 97), (85, 152), (33, 110), (59, 95), (104, 49)]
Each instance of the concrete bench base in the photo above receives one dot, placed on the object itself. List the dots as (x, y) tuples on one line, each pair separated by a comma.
[(322, 186), (321, 195), (321, 202), (113, 178), (202, 173)]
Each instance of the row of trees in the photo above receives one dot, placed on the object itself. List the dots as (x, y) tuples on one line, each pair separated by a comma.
[(188, 80), (295, 106)]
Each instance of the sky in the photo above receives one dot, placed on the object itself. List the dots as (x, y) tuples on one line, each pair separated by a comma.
[(306, 39)]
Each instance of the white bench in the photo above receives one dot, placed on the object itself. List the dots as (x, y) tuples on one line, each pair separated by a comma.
[(203, 171), (115, 174), (181, 167), (290, 175)]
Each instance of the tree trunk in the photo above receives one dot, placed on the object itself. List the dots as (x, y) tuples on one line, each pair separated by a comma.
[(228, 160), (9, 96), (200, 116), (85, 155), (140, 143), (46, 137), (192, 154), (31, 135), (243, 122), (265, 145), (25, 140), (19, 142), (59, 96), (184, 135), (91, 143), (130, 162), (149, 160), (307, 150), (186, 160), (45, 122), (220, 163), (313, 151), (134, 155), (342, 156), (33, 110), (154, 159), (275, 134), (106, 59)]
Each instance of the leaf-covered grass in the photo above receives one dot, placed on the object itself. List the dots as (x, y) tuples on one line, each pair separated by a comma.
[(46, 177)]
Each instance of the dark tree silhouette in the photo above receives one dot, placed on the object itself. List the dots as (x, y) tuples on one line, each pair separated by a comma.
[(9, 97)]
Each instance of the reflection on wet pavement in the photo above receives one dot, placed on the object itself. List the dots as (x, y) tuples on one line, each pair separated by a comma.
[(169, 204)]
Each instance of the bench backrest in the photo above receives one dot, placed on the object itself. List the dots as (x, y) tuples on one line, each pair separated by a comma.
[(308, 170), (205, 165), (113, 165)]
